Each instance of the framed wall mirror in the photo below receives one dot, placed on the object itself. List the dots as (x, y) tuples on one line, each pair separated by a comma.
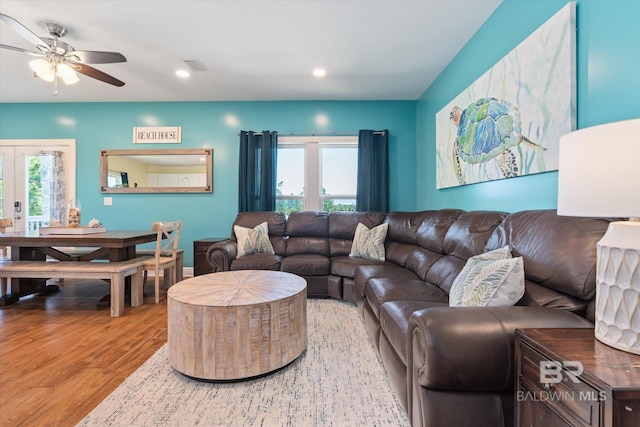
[(156, 171)]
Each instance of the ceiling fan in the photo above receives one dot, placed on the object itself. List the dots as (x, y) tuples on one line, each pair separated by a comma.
[(58, 59)]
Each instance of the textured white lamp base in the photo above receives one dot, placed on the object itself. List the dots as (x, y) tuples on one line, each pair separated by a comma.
[(618, 287)]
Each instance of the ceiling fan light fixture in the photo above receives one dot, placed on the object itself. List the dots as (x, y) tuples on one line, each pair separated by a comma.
[(67, 74), (70, 80), (43, 69), (61, 60)]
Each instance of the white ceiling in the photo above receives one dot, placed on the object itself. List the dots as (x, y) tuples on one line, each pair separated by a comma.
[(253, 50)]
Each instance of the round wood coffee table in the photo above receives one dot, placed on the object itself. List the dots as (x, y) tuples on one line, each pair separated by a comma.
[(236, 324)]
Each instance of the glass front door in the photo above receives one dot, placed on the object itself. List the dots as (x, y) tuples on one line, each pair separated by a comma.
[(31, 181)]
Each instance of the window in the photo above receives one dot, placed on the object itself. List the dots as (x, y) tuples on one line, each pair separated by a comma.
[(114, 179), (317, 174)]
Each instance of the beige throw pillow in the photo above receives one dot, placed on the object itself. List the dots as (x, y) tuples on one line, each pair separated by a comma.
[(253, 240), (369, 244)]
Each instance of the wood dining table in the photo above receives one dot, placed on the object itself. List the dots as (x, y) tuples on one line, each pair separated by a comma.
[(111, 245)]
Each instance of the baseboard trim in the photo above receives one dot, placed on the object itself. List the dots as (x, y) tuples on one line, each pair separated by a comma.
[(186, 272)]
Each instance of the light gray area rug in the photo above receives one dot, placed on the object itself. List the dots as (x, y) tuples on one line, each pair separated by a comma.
[(338, 381)]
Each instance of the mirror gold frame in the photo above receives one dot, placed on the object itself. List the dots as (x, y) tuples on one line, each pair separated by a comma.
[(171, 160)]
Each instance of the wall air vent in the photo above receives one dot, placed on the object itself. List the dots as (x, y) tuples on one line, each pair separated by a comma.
[(195, 65)]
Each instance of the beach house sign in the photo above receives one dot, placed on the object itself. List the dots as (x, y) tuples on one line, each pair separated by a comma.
[(157, 135)]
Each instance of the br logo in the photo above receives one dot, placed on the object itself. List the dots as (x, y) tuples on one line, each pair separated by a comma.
[(552, 372)]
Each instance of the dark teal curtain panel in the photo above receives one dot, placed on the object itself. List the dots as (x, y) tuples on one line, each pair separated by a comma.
[(258, 168), (373, 171)]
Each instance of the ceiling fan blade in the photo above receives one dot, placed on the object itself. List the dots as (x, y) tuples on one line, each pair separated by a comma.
[(96, 74), (19, 49), (97, 57), (22, 30)]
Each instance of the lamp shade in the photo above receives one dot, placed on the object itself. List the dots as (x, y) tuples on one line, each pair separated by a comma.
[(43, 69), (599, 171), (67, 73)]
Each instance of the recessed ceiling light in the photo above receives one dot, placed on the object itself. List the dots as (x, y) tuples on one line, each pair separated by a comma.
[(182, 73), (319, 72)]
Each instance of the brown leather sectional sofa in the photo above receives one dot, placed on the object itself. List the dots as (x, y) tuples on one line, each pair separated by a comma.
[(450, 366)]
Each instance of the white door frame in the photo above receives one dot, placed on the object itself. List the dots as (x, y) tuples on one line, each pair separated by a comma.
[(69, 148)]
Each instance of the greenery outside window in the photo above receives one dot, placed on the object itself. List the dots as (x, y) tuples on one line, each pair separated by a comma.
[(317, 174)]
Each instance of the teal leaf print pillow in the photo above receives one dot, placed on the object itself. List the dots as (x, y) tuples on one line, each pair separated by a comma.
[(490, 279)]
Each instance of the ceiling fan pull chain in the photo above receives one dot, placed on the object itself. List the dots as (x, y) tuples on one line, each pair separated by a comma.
[(56, 58), (55, 79)]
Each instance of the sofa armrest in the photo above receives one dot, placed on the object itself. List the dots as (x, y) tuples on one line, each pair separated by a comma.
[(220, 255), (472, 348)]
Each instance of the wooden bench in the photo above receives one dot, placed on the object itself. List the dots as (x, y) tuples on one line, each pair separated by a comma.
[(116, 272), (78, 253)]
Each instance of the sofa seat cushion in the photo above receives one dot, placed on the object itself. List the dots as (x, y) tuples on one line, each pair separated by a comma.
[(381, 290), (389, 270), (307, 265), (538, 295), (394, 322), (257, 262), (345, 266)]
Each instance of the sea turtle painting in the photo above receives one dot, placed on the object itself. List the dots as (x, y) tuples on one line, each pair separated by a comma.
[(489, 129)]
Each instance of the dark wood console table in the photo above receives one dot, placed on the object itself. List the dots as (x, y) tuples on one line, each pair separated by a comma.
[(565, 377)]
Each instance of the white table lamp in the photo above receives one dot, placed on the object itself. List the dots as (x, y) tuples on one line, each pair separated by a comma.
[(599, 176)]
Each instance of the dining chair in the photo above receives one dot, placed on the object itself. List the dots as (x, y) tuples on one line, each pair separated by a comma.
[(165, 256), (4, 224)]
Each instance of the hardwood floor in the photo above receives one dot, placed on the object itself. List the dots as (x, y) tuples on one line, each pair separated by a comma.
[(60, 355)]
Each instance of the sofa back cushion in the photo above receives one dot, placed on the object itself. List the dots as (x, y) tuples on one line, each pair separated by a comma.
[(430, 239), (342, 227), (276, 223), (434, 229), (402, 236), (469, 234), (308, 233), (559, 252), (466, 237)]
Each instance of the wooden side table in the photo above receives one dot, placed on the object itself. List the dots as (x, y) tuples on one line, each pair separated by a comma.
[(565, 377), (200, 264)]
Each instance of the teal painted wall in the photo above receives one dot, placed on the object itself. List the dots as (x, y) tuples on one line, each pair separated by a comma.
[(99, 126), (608, 89)]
